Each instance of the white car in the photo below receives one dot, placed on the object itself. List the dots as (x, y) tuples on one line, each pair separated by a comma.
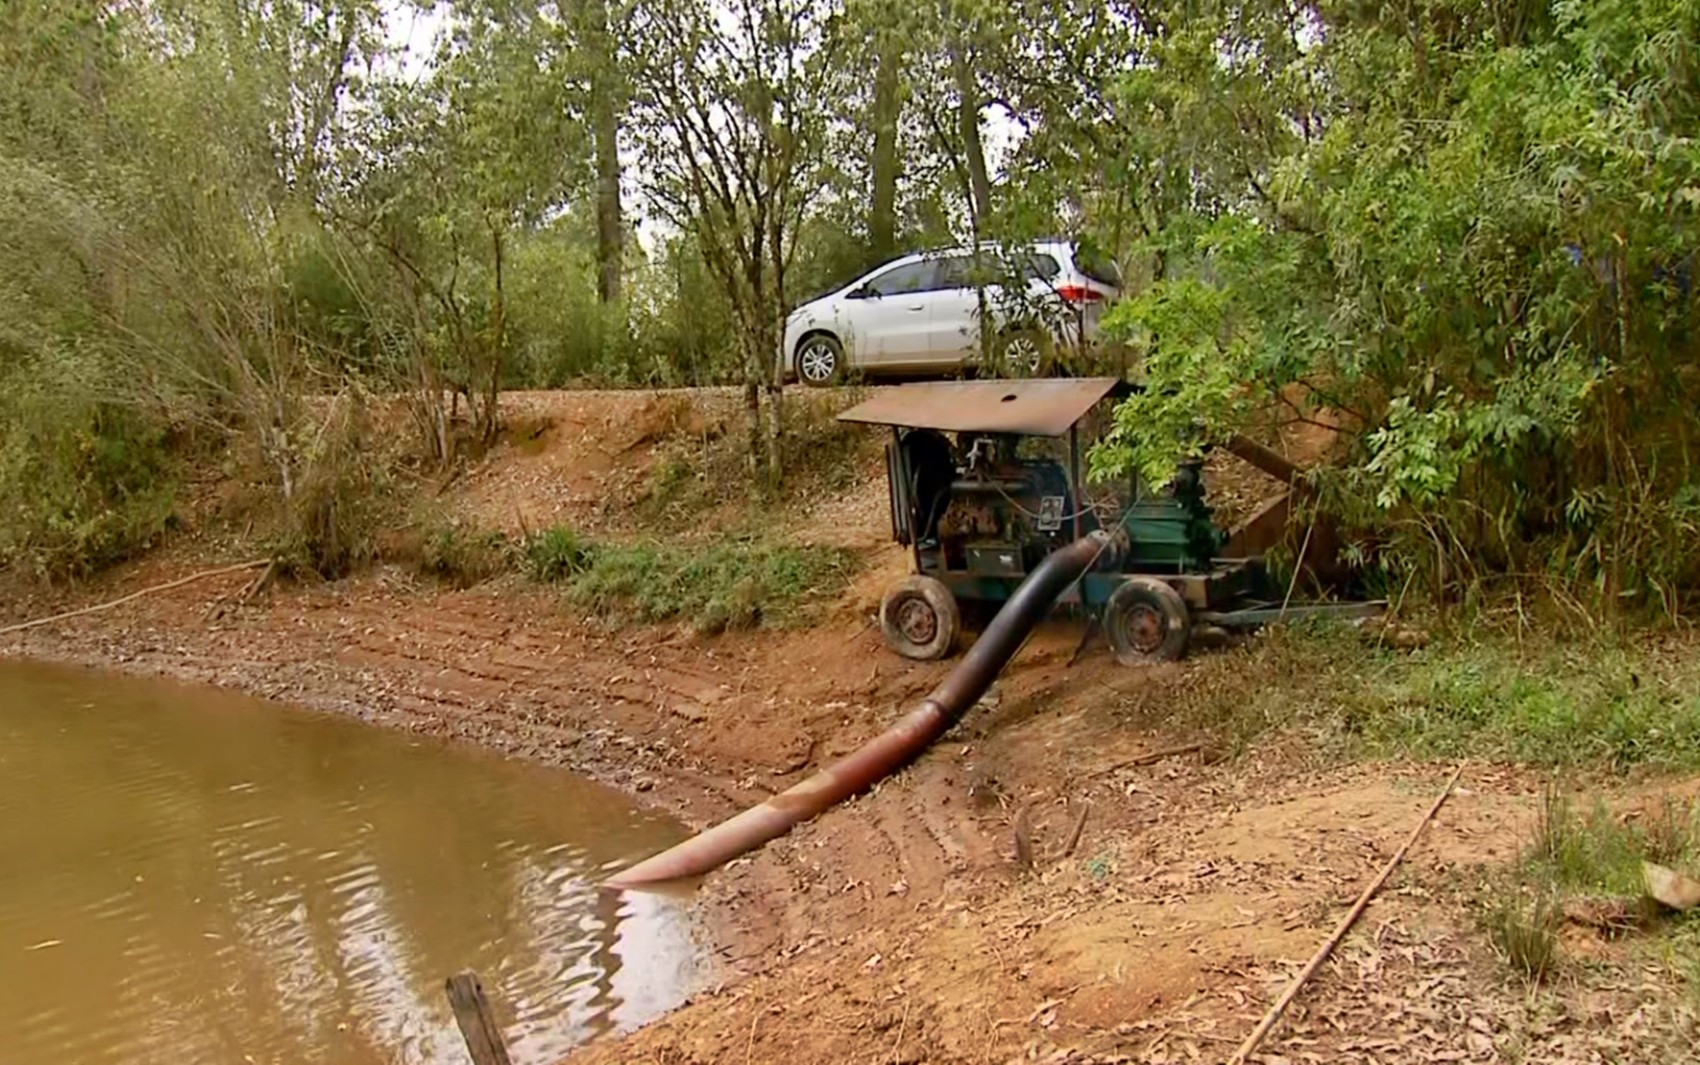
[(921, 313)]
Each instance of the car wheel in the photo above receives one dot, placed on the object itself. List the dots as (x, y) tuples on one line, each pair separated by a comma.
[(1147, 621), (919, 618), (820, 361), (1024, 353)]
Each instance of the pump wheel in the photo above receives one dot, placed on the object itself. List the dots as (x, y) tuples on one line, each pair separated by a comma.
[(1147, 621), (920, 619)]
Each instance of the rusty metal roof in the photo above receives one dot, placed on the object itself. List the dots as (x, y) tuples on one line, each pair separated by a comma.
[(1038, 407)]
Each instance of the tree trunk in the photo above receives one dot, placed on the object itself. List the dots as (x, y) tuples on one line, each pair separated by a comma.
[(498, 341), (752, 420), (605, 134), (968, 102), (887, 164), (775, 436)]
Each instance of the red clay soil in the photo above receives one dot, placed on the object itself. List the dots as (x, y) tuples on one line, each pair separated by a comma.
[(906, 926)]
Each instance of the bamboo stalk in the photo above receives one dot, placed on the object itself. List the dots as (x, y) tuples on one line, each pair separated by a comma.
[(98, 607), (1258, 1034)]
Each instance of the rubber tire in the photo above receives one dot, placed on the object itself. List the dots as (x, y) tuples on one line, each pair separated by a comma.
[(1040, 366), (838, 369), (947, 618), (1143, 594)]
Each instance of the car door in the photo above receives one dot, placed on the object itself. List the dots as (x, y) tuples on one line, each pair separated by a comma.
[(955, 327), (890, 316)]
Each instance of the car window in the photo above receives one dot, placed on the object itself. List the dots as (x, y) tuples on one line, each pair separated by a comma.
[(910, 277), (1041, 266), (956, 271), (1098, 266)]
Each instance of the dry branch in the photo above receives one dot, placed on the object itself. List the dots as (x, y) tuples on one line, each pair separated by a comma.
[(1073, 840), (1258, 1034), (1153, 757), (167, 586)]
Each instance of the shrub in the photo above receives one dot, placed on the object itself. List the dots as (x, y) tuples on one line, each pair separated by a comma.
[(727, 585), (462, 557), (83, 483), (556, 553)]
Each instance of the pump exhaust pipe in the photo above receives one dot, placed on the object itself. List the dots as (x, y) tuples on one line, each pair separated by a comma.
[(892, 749)]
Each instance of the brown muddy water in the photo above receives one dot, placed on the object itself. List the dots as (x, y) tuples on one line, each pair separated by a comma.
[(189, 875)]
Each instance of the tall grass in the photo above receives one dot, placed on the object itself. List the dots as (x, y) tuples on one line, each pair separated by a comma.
[(1609, 704), (727, 584)]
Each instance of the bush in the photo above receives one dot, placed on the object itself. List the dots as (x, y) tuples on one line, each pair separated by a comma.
[(1474, 250), (556, 553), (715, 587), (83, 483), (462, 557)]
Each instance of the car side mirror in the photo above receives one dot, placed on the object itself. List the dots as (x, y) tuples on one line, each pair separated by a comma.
[(863, 292)]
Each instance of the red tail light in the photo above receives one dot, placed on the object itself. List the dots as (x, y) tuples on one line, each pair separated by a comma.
[(1079, 294)]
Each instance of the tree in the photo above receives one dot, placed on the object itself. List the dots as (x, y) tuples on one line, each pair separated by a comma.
[(732, 107), (885, 117), (607, 91), (1466, 231), (444, 175)]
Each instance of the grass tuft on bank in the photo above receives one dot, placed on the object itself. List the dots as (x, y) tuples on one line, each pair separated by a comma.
[(713, 586), (1583, 868), (1603, 704)]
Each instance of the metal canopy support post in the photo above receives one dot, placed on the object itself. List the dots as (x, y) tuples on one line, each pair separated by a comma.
[(1076, 486)]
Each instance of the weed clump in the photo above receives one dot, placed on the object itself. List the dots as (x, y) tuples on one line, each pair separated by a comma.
[(714, 587), (461, 557), (1585, 867), (1526, 935), (556, 553)]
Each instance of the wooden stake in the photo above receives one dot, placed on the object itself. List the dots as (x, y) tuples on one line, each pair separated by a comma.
[(166, 587), (1258, 1034), (477, 1022)]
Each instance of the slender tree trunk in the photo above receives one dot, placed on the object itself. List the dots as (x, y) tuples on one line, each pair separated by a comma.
[(887, 163), (324, 107), (752, 418), (498, 341), (605, 133), (775, 436), (968, 102)]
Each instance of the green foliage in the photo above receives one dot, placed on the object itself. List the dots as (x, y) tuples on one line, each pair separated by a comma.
[(1472, 239), (461, 556), (1592, 860), (1525, 933), (338, 490), (1594, 705), (82, 484), (556, 553), (714, 586)]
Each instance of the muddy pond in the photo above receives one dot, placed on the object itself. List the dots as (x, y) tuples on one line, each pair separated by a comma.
[(189, 875)]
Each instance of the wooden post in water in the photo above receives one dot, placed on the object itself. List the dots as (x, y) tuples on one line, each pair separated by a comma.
[(477, 1021)]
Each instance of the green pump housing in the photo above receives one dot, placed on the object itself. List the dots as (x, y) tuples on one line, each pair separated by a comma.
[(1172, 531)]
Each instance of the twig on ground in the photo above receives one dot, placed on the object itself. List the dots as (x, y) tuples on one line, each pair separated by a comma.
[(1073, 840), (167, 586), (1258, 1034), (1151, 757), (258, 584), (1023, 838)]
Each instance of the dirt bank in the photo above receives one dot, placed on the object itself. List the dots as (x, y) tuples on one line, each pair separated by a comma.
[(944, 917)]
